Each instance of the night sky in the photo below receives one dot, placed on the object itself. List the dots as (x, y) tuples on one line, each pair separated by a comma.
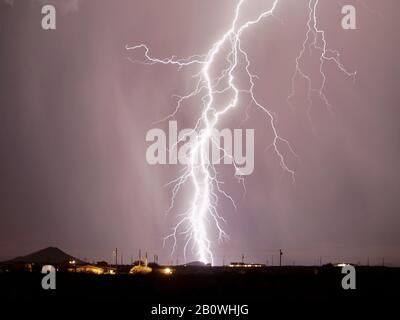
[(74, 112)]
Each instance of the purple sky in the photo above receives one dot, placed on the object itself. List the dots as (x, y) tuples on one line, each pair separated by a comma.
[(74, 112)]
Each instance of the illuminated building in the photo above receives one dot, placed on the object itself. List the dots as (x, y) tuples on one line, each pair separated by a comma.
[(89, 269), (140, 269), (245, 265)]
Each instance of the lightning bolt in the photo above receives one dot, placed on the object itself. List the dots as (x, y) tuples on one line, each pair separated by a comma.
[(194, 223), (315, 40)]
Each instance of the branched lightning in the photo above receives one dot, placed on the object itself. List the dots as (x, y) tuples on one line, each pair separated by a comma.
[(315, 39), (202, 213)]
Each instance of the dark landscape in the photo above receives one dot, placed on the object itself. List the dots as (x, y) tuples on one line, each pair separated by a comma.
[(261, 288)]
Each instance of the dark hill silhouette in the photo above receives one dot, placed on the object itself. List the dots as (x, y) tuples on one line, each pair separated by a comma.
[(51, 255), (196, 264)]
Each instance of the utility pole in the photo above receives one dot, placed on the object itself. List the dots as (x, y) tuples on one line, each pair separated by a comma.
[(280, 257), (116, 256), (140, 257), (145, 262)]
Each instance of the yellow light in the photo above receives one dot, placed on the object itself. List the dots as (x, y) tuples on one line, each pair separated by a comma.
[(140, 269), (167, 271), (342, 265)]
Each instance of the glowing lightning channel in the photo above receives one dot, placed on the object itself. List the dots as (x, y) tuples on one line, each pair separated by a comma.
[(199, 170), (315, 38)]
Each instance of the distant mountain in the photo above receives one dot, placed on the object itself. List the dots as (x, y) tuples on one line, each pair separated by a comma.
[(50, 255)]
